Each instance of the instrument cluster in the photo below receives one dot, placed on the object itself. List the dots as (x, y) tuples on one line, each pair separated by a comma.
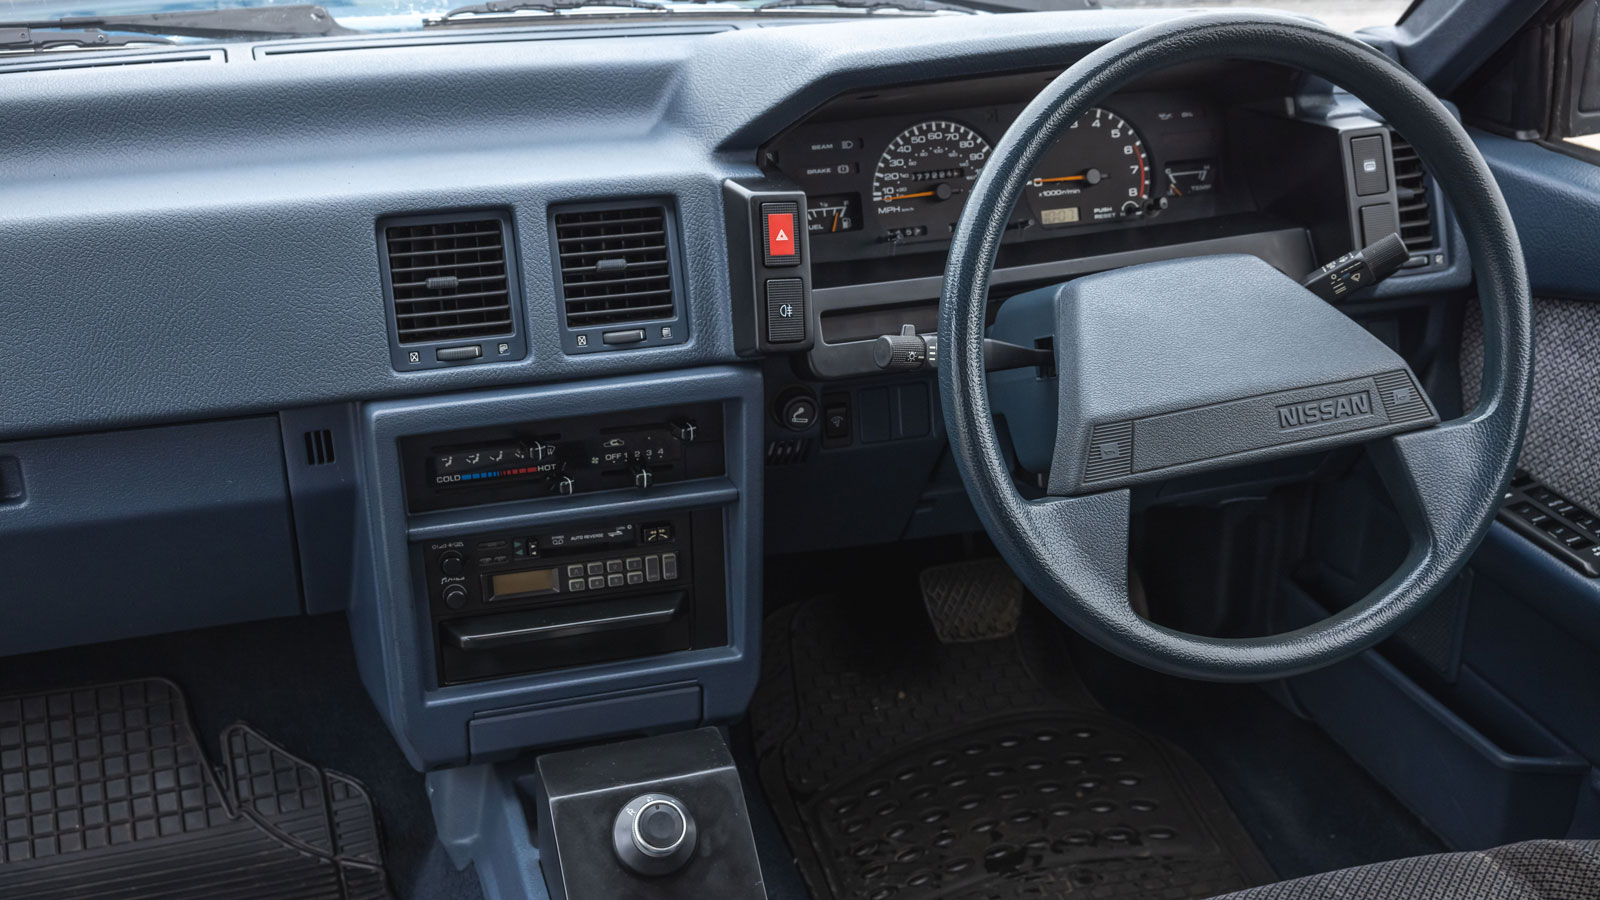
[(889, 173)]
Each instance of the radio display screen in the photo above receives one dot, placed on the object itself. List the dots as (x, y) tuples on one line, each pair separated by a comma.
[(532, 581)]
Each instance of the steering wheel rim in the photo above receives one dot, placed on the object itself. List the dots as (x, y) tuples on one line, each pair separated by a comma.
[(1446, 480)]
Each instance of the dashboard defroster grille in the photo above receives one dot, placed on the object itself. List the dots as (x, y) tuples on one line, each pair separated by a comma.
[(449, 279), (616, 265)]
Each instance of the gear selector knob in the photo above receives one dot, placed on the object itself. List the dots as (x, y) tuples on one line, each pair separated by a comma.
[(654, 834)]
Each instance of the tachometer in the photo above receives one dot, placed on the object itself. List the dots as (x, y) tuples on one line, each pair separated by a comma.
[(923, 178), (1095, 172)]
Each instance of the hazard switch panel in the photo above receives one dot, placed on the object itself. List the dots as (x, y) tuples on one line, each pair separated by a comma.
[(779, 223), (771, 274)]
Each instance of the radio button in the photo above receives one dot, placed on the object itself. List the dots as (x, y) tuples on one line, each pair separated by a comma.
[(597, 582), (575, 570), (597, 568), (636, 578), (635, 564), (614, 581), (455, 596), (575, 585), (450, 563), (669, 566), (613, 565), (652, 568)]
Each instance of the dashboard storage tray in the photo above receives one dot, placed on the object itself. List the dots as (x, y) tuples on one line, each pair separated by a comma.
[(1473, 791)]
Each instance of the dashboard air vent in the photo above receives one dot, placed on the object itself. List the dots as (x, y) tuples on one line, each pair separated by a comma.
[(616, 265), (448, 279), (319, 448), (1411, 195)]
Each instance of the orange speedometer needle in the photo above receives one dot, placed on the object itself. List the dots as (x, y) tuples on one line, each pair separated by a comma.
[(908, 196)]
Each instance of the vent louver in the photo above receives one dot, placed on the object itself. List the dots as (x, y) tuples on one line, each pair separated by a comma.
[(448, 279), (319, 448), (616, 265), (1411, 196)]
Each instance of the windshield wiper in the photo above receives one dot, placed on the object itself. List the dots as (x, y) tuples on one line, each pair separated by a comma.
[(871, 6), (13, 37), (248, 22), (546, 6)]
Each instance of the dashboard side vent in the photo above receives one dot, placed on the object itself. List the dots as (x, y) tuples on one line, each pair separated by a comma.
[(1411, 196), (319, 447), (616, 265), (448, 279)]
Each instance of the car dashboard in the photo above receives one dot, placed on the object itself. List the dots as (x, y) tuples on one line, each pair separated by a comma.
[(524, 348)]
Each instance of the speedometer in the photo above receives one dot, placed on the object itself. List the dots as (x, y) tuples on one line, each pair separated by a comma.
[(923, 178), (1096, 171)]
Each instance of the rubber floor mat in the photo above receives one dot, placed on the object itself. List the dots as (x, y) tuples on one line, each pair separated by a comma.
[(106, 793), (900, 767)]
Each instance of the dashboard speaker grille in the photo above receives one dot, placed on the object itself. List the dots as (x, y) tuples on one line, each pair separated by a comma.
[(1411, 190), (616, 265), (449, 279)]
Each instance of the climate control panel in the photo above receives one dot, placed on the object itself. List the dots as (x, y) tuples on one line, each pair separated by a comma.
[(561, 457)]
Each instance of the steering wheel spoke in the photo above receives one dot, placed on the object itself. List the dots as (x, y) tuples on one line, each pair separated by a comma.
[(1434, 474), (1087, 540)]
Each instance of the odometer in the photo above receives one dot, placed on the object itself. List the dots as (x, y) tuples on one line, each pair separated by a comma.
[(923, 178), (1095, 172)]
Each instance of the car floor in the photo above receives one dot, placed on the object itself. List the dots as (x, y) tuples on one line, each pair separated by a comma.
[(295, 680), (1304, 804)]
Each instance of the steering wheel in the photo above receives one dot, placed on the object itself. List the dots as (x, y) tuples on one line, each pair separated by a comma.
[(1157, 377)]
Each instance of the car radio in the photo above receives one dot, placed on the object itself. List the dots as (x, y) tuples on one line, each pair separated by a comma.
[(535, 599), (562, 456)]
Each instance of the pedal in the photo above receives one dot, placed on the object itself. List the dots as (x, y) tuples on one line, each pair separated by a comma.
[(975, 600)]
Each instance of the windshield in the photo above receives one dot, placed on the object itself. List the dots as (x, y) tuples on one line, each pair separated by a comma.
[(398, 15), (1343, 15)]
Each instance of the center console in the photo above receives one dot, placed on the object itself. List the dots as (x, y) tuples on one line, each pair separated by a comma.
[(562, 563)]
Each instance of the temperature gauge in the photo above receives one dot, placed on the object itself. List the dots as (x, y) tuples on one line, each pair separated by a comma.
[(1195, 176), (833, 213)]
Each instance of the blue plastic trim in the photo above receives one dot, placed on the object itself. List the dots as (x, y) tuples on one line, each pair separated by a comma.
[(1555, 589), (323, 498), (696, 494), (481, 821), (394, 649), (1443, 41), (1467, 788), (1552, 197), (145, 531)]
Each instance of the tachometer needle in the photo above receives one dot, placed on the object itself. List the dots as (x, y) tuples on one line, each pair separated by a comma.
[(1088, 176)]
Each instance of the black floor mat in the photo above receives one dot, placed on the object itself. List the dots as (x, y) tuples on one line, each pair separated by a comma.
[(901, 767), (106, 793)]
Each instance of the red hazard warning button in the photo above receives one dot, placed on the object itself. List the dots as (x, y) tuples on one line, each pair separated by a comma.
[(780, 244)]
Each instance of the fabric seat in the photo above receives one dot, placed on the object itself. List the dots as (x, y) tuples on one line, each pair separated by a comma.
[(1533, 870)]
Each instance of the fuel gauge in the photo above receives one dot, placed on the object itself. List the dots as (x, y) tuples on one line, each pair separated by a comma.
[(833, 213)]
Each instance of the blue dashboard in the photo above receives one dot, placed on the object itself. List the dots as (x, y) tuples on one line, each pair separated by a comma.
[(217, 389)]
